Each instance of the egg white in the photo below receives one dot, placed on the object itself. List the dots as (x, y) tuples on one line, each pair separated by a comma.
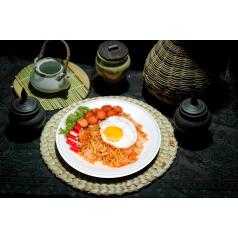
[(129, 131)]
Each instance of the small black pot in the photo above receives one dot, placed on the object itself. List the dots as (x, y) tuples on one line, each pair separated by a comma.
[(27, 113), (192, 116)]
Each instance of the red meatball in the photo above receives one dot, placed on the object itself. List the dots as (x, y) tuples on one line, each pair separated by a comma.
[(106, 108), (82, 123), (88, 114), (118, 109), (92, 120), (95, 110), (112, 113), (101, 114)]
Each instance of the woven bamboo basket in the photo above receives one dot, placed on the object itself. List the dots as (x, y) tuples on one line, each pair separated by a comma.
[(174, 69)]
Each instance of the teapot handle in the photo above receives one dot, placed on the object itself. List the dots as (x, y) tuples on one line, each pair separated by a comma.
[(65, 61)]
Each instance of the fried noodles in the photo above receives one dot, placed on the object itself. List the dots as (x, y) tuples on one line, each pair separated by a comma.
[(94, 149)]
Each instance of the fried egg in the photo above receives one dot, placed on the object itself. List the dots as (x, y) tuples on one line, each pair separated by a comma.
[(118, 132)]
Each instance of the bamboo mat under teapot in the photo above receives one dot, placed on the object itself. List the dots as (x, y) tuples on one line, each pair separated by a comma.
[(77, 91)]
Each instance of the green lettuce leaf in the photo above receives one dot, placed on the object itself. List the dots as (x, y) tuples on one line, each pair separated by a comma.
[(71, 120)]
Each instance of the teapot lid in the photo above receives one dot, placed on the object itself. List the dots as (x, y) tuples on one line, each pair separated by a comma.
[(193, 109), (25, 105), (113, 50)]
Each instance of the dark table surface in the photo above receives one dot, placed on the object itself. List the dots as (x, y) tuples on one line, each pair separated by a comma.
[(205, 168)]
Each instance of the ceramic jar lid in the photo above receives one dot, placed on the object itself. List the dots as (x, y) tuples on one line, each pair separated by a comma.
[(193, 109), (113, 50)]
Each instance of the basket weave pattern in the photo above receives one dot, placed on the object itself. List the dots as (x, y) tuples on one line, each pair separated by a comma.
[(114, 186), (174, 69)]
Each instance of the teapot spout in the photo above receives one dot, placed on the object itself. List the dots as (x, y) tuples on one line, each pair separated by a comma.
[(60, 77), (66, 82)]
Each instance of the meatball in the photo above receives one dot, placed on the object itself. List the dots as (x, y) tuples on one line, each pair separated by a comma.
[(106, 108), (101, 114), (112, 113), (95, 110), (88, 114), (118, 109), (82, 123), (92, 120)]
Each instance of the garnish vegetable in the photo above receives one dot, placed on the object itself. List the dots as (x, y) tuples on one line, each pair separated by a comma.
[(71, 120)]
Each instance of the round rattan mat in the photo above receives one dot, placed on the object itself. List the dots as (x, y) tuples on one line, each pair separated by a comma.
[(112, 186)]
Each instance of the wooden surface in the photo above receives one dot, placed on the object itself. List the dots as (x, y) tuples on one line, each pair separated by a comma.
[(81, 75), (109, 52), (17, 88)]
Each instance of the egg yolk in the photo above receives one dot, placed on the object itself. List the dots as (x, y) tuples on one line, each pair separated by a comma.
[(113, 133)]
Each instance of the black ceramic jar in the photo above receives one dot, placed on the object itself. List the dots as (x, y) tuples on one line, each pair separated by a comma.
[(192, 116), (27, 113)]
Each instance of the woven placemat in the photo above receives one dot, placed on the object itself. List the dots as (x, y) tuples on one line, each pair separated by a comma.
[(76, 92), (112, 186)]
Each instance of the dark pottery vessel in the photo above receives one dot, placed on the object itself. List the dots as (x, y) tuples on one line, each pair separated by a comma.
[(27, 113), (192, 116)]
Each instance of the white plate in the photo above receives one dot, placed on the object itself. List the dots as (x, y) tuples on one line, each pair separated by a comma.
[(151, 147)]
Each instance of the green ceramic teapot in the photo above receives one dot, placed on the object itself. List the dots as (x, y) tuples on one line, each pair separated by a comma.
[(51, 75)]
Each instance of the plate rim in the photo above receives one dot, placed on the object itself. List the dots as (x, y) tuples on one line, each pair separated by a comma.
[(115, 175)]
